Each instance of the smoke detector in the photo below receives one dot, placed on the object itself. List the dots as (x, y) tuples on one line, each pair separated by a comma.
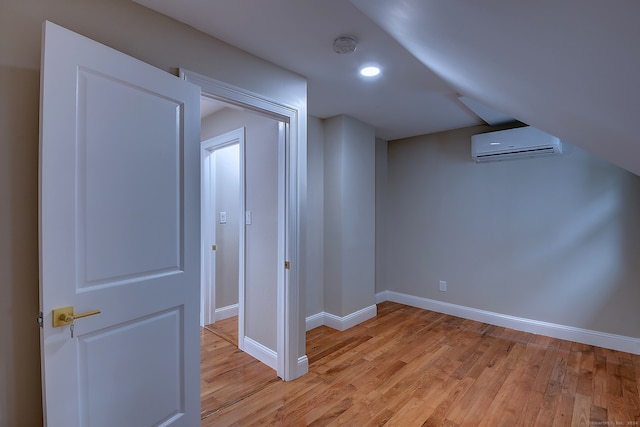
[(345, 44)]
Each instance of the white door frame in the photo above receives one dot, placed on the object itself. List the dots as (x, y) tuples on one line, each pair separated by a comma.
[(289, 364), (208, 294)]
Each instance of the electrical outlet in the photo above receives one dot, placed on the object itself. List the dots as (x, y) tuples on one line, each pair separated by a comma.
[(443, 286)]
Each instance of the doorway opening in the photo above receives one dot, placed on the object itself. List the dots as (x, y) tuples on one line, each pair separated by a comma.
[(241, 236), (290, 360), (223, 222), (242, 224)]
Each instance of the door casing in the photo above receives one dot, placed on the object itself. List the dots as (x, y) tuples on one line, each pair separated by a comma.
[(209, 146), (289, 323)]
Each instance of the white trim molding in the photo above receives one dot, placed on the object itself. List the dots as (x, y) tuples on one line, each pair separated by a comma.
[(315, 320), (303, 365), (226, 312), (341, 323), (261, 352), (570, 333)]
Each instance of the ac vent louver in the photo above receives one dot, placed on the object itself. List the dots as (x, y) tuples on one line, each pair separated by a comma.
[(513, 143)]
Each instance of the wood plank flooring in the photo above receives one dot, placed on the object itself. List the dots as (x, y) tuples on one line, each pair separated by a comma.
[(413, 367), (227, 375)]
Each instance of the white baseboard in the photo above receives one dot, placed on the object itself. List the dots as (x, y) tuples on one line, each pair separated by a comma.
[(226, 312), (584, 336), (262, 353), (382, 297), (315, 321), (341, 323), (270, 358), (303, 366)]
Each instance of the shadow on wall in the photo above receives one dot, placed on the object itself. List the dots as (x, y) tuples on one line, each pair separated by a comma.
[(20, 395), (553, 238), (623, 284), (589, 248)]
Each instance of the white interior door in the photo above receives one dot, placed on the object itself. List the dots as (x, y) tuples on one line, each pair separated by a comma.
[(119, 233)]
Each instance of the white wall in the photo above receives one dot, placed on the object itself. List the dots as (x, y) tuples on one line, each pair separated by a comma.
[(381, 212), (134, 30), (347, 175), (261, 237), (553, 239), (349, 216), (315, 217)]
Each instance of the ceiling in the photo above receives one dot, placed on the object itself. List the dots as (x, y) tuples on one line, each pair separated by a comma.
[(570, 68), (209, 106), (407, 99)]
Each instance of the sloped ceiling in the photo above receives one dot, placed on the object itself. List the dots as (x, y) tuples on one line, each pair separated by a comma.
[(407, 99), (570, 68)]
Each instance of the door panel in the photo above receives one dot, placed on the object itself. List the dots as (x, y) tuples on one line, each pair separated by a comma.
[(119, 233), (104, 402), (130, 199)]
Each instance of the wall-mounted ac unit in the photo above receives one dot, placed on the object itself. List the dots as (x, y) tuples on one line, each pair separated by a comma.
[(513, 143)]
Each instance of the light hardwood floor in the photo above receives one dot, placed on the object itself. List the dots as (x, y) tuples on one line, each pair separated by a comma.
[(227, 375), (412, 367)]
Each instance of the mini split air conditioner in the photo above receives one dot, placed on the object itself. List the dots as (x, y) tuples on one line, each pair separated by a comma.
[(513, 143)]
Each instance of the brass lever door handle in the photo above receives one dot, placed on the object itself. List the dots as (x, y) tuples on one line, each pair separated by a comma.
[(65, 316), (87, 314)]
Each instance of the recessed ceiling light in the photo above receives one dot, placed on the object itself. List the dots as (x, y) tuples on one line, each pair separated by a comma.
[(370, 71)]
